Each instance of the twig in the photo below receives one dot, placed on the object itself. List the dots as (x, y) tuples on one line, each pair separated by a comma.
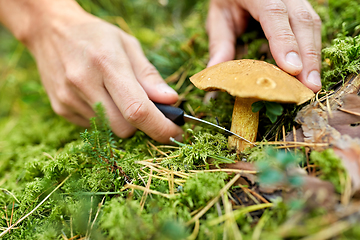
[(46, 198), (294, 133), (284, 137), (255, 194), (249, 194), (349, 111), (297, 143)]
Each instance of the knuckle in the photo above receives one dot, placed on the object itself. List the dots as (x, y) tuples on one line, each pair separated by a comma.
[(285, 37), (64, 96), (304, 16), (162, 133), (317, 21), (133, 40), (275, 8), (312, 54), (125, 132), (60, 110), (102, 58), (75, 78), (136, 112), (147, 71)]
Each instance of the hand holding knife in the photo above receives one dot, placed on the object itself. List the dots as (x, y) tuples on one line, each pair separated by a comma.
[(177, 116)]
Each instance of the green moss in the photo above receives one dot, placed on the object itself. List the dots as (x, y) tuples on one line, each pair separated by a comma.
[(329, 166), (39, 149)]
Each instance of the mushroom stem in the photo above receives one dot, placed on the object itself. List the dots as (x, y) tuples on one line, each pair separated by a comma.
[(244, 123)]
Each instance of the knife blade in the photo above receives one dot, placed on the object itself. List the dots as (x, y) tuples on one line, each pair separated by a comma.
[(179, 117)]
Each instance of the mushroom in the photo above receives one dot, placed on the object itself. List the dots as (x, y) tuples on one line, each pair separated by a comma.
[(250, 81)]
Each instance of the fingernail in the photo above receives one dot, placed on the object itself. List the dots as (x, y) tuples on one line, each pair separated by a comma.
[(314, 78), (293, 58), (163, 87)]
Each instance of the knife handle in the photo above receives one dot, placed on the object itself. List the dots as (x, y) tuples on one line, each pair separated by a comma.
[(176, 115)]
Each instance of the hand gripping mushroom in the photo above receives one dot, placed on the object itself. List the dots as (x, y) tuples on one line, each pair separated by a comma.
[(250, 81)]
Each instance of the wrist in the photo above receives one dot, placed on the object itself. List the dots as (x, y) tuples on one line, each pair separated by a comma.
[(32, 20)]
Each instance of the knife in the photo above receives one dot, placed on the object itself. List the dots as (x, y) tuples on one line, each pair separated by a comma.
[(179, 117)]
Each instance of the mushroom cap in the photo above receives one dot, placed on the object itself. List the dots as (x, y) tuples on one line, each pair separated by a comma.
[(256, 79)]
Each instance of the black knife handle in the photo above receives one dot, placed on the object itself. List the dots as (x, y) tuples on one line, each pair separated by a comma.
[(176, 115)]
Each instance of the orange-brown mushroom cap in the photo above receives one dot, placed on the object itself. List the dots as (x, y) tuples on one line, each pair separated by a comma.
[(255, 79)]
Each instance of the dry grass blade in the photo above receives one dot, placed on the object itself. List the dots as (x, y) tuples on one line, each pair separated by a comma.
[(136, 187), (144, 196), (171, 182), (230, 223), (239, 212), (44, 200), (90, 213), (214, 200), (330, 232), (10, 193), (157, 149), (195, 232), (162, 170), (96, 216), (177, 181), (257, 230), (225, 170)]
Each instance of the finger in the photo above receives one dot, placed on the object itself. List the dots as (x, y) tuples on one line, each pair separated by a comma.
[(147, 75), (317, 29), (223, 26), (132, 100), (119, 125), (93, 93), (302, 24), (274, 19), (68, 114), (78, 120), (70, 97)]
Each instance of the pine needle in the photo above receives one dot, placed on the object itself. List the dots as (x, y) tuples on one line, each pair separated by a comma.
[(143, 198), (136, 187)]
